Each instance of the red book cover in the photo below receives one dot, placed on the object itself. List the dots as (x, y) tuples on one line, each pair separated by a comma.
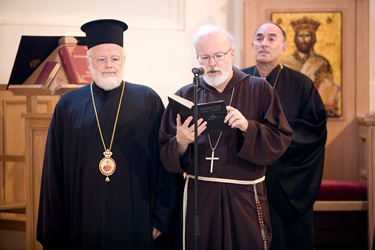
[(74, 61), (48, 72)]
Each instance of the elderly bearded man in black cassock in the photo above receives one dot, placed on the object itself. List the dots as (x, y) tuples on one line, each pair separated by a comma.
[(103, 185), (293, 181), (232, 201)]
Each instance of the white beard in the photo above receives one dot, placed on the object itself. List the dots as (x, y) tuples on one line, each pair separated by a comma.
[(107, 83), (216, 81)]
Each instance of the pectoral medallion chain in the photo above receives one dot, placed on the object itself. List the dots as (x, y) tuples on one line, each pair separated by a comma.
[(277, 76), (213, 158), (107, 166)]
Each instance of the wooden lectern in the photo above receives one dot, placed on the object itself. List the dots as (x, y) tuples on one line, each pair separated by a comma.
[(36, 129), (60, 83)]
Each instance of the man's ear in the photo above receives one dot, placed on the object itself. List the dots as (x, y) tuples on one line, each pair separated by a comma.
[(88, 62), (285, 47)]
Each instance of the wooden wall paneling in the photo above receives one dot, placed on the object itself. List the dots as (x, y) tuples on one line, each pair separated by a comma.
[(367, 166), (350, 148), (36, 129), (13, 145), (18, 183), (14, 141), (37, 125), (2, 160), (12, 167), (362, 59), (371, 186)]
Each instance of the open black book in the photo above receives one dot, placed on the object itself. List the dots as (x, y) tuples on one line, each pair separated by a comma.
[(212, 112)]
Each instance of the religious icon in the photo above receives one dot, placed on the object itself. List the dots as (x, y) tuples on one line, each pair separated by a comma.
[(314, 48), (107, 167)]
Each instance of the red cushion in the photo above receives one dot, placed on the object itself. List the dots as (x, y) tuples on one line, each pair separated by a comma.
[(339, 190)]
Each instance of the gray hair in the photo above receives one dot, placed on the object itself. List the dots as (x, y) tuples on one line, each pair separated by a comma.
[(208, 29)]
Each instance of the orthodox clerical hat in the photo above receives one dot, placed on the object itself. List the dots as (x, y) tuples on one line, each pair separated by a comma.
[(104, 31)]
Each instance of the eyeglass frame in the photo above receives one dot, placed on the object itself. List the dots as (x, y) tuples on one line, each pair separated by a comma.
[(102, 60), (214, 56)]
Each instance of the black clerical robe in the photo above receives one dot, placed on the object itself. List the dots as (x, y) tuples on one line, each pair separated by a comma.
[(78, 208), (227, 212), (293, 181)]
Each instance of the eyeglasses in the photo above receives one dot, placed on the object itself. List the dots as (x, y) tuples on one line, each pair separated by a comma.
[(217, 57), (104, 60)]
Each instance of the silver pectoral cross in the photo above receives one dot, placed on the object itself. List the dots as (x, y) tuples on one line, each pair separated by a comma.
[(212, 158)]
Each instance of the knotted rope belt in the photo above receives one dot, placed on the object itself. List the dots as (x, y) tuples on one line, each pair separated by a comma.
[(229, 181)]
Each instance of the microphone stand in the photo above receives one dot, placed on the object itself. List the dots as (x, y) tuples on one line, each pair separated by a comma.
[(195, 118)]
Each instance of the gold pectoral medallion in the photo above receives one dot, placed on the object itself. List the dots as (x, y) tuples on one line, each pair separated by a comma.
[(107, 165)]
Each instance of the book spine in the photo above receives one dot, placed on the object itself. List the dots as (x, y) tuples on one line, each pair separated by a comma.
[(48, 73)]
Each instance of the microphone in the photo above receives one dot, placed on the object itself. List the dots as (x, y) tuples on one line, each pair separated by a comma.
[(198, 71)]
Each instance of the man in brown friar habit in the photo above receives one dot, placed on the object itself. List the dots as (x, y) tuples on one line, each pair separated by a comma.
[(232, 200), (103, 185)]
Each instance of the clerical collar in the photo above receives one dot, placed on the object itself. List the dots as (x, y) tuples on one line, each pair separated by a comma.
[(273, 76), (105, 94)]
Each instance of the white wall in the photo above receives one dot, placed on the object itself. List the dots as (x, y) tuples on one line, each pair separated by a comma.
[(158, 43)]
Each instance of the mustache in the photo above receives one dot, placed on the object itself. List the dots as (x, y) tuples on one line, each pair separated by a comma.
[(212, 69)]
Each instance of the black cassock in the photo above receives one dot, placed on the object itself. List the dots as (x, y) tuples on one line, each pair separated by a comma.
[(78, 208), (293, 181)]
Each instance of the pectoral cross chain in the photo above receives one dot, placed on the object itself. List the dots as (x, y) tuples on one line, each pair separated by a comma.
[(212, 158)]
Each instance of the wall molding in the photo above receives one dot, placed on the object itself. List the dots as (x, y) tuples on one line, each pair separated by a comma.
[(170, 17)]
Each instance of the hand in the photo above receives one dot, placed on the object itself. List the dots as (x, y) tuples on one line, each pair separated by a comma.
[(235, 119), (155, 233), (185, 133)]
